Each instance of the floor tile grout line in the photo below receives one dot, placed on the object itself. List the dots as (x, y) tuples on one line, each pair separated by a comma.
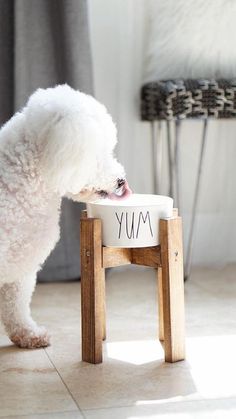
[(79, 409), (115, 407), (203, 400), (38, 414)]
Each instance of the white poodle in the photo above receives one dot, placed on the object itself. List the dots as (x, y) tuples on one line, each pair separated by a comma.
[(60, 144)]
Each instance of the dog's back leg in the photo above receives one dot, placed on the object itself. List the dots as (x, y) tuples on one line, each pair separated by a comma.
[(15, 300)]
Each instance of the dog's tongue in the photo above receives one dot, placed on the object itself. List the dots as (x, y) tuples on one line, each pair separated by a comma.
[(124, 193)]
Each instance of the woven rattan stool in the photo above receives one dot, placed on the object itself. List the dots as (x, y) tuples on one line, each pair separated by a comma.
[(167, 258), (176, 100)]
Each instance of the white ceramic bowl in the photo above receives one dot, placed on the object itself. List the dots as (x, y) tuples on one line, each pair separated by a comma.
[(133, 222)]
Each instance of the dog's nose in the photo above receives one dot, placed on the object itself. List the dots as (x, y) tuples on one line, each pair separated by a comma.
[(120, 183), (122, 190)]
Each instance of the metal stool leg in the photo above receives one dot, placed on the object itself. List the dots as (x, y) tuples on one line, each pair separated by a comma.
[(156, 134), (170, 160), (195, 202), (177, 165), (173, 162)]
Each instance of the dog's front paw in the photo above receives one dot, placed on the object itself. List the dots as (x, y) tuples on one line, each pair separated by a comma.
[(31, 338)]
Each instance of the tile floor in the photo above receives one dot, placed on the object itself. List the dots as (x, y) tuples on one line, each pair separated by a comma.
[(133, 382)]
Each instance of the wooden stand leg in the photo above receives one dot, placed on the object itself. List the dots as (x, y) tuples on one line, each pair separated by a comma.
[(92, 290), (104, 305), (172, 288), (160, 303)]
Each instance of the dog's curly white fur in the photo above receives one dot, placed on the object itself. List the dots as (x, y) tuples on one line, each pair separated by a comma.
[(60, 144)]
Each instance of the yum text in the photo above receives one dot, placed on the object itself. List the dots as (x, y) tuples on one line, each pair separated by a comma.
[(131, 223)]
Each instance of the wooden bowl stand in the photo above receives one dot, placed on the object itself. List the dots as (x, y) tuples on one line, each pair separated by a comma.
[(167, 258)]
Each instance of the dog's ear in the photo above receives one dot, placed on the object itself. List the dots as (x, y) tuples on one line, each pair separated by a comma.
[(68, 153)]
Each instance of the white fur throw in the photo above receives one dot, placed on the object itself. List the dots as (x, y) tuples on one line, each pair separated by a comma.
[(190, 39)]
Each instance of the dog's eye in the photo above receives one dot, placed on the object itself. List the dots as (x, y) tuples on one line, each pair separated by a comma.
[(103, 194)]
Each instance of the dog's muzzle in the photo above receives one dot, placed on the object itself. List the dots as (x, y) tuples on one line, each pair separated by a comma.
[(121, 191)]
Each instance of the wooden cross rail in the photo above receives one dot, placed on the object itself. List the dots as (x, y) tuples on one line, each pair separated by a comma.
[(147, 256), (167, 258)]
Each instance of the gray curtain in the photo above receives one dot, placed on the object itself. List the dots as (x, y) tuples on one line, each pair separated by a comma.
[(44, 43)]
